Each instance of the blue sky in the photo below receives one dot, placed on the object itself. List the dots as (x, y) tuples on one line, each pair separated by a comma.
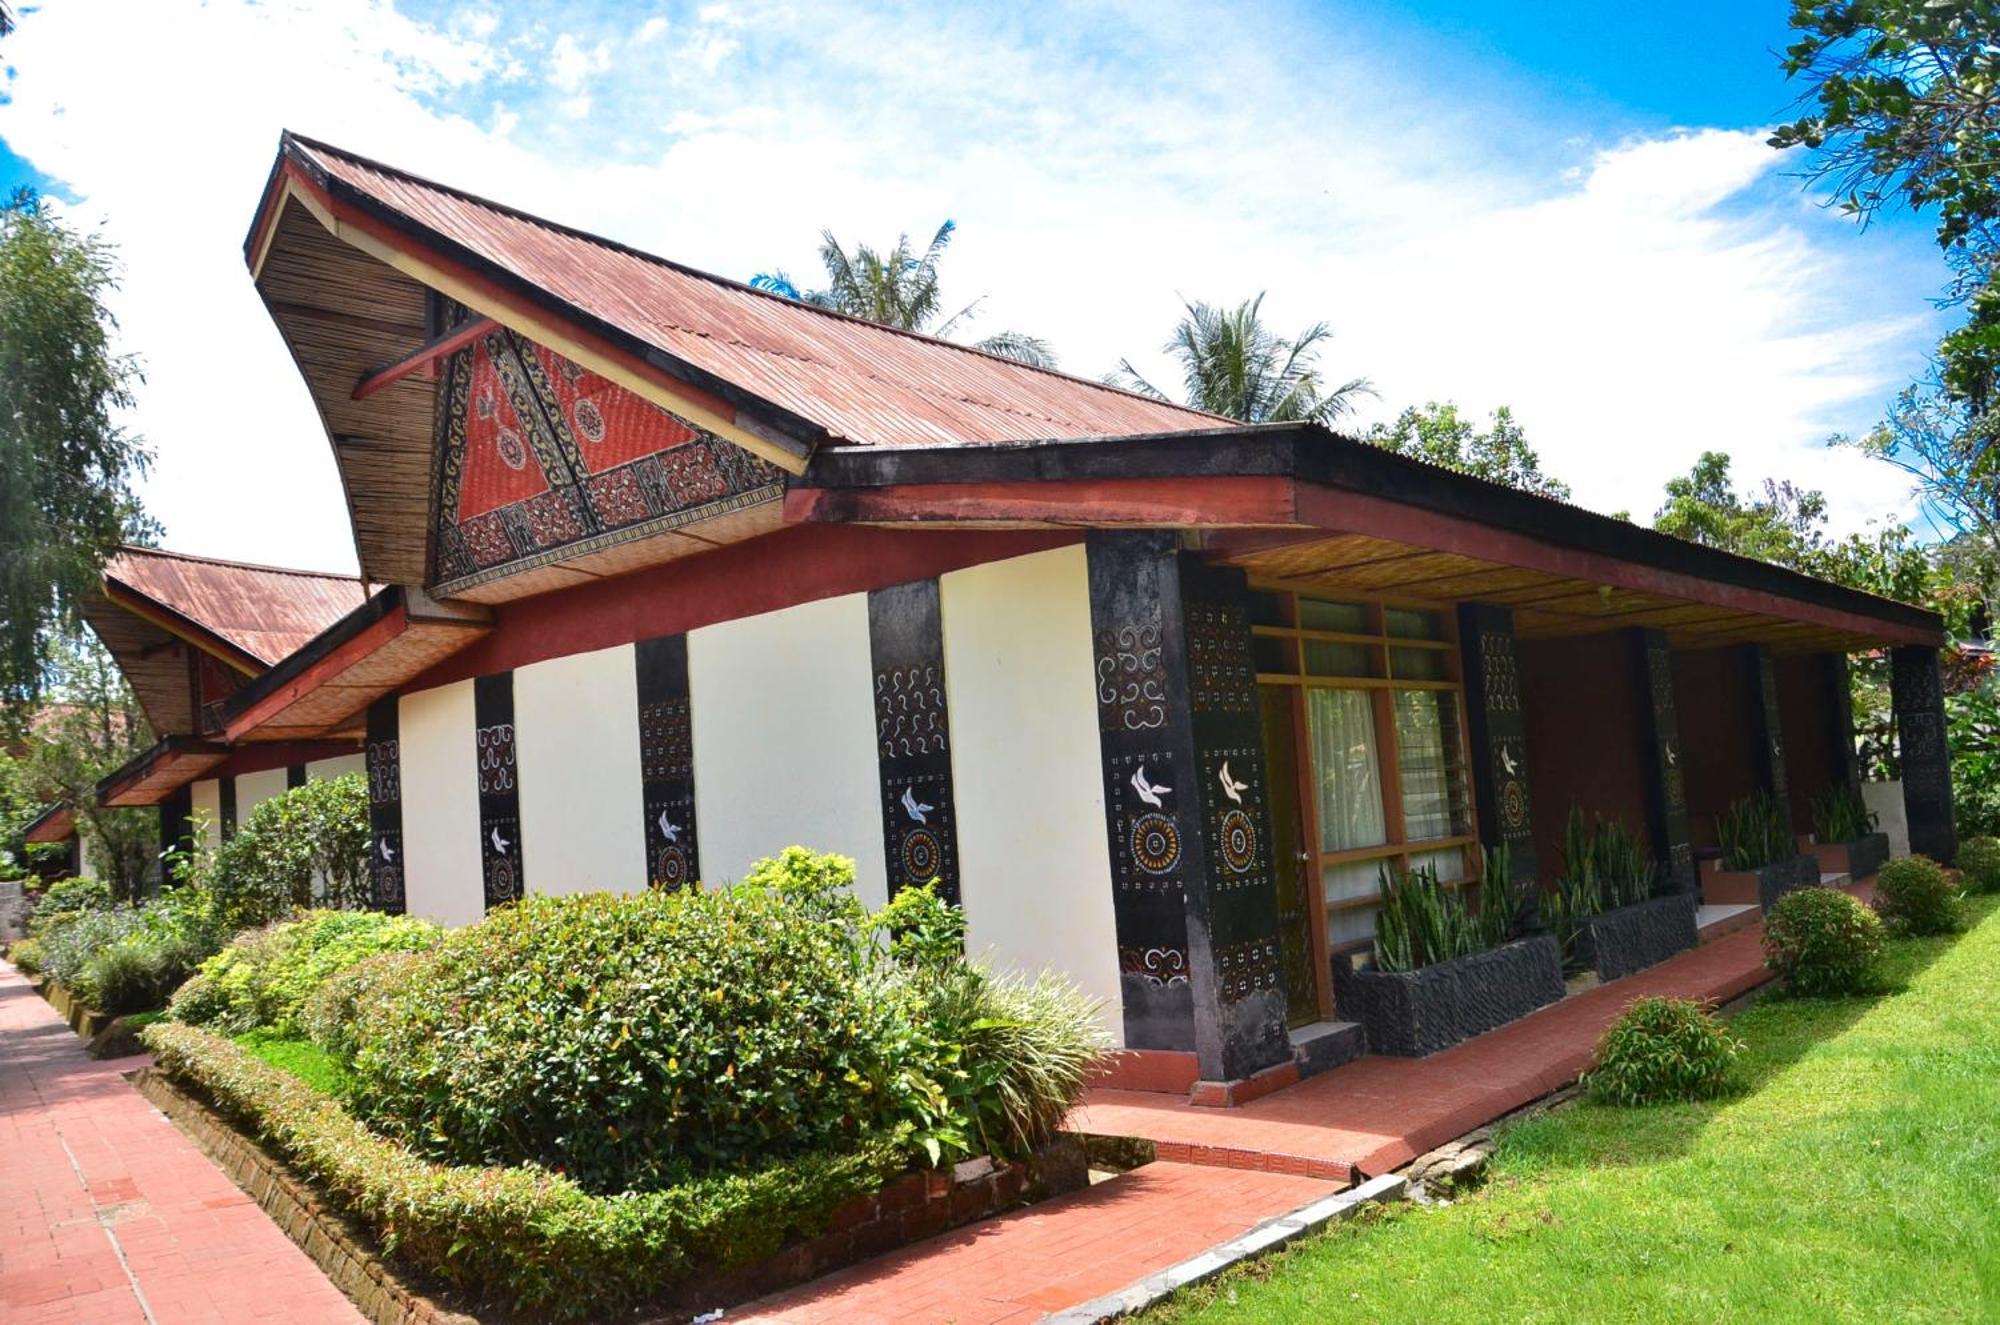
[(1562, 207)]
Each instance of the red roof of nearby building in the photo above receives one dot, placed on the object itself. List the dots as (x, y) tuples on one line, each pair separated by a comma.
[(861, 382), (266, 612)]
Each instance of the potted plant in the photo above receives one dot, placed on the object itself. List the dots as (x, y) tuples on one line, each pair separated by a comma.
[(1760, 860), (1445, 969), (1844, 836), (1610, 895)]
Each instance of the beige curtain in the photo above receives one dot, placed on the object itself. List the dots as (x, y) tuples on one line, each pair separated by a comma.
[(1345, 768)]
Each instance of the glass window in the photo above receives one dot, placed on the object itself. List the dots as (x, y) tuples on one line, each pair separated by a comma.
[(1344, 618), (1408, 664), (1409, 623), (1429, 766), (1270, 609), (1279, 656), (1326, 658), (1449, 863), (1351, 879), (1341, 724)]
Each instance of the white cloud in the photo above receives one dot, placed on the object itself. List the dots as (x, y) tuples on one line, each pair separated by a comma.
[(1636, 299), (652, 29)]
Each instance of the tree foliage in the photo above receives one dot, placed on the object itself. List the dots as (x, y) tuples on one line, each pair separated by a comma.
[(66, 466), (902, 289), (1234, 365), (1443, 436)]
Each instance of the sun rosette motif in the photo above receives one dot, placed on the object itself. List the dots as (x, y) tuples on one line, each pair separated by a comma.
[(670, 871), (921, 855), (1156, 843), (1239, 842)]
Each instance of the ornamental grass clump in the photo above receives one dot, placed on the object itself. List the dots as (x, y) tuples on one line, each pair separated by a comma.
[(1754, 833), (1662, 1049), (1423, 920), (1979, 863), (1841, 815), (1915, 896), (1822, 942)]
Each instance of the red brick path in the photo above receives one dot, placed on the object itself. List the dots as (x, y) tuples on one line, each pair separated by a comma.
[(1058, 1254), (109, 1215)]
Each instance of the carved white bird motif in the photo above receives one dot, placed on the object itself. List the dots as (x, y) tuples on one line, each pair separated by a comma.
[(1230, 786), (668, 828), (500, 844), (388, 852), (1673, 756), (1507, 761), (1149, 792), (915, 808)]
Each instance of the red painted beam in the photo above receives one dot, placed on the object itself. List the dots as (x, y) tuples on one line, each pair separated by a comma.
[(1229, 500), (347, 655), (424, 355)]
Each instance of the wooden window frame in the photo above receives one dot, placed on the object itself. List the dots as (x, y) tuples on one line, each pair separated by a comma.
[(1398, 849)]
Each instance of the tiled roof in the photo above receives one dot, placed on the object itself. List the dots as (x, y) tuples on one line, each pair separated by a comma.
[(266, 611), (861, 382)]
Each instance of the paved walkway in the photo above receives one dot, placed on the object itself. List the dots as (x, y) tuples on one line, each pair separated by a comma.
[(108, 1214)]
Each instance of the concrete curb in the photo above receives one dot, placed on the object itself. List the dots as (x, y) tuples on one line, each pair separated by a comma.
[(1267, 1236)]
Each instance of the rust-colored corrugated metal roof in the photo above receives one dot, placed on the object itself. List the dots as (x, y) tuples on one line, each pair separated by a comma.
[(265, 611), (861, 382)]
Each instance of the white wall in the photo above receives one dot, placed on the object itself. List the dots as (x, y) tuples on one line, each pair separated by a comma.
[(253, 789), (441, 878), (1018, 667), (1891, 815), (784, 739), (205, 808), (577, 723), (338, 766)]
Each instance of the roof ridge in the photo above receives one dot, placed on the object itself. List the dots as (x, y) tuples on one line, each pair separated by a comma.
[(288, 137), (134, 548)]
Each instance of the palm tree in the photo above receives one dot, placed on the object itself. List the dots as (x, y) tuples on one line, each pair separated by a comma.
[(1236, 366), (899, 290)]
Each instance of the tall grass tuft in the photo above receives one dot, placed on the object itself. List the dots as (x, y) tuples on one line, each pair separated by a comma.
[(1754, 833)]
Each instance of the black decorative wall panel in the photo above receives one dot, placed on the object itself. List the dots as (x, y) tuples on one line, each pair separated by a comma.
[(666, 762), (1917, 695), (1660, 751), (1239, 899), (295, 776), (1497, 732), (1769, 736), (384, 757), (225, 796), (499, 789), (913, 737), (1147, 756)]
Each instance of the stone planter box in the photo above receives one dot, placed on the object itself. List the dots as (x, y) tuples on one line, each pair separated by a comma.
[(1621, 942), (1414, 1013), (1763, 886), (1857, 859)]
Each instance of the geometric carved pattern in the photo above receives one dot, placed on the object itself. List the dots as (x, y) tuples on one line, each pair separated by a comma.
[(537, 454), (1660, 747), (913, 737), (666, 763), (499, 789), (1917, 698), (1497, 732), (385, 808)]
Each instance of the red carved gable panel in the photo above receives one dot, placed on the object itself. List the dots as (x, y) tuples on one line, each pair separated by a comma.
[(610, 424), (501, 464)]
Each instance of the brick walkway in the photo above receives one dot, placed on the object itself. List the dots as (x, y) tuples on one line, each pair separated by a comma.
[(109, 1215), (1018, 1266)]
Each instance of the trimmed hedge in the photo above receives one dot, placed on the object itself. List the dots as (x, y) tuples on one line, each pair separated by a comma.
[(522, 1235), (1916, 897), (1822, 941)]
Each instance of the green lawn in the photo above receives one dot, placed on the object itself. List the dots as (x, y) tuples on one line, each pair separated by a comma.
[(1856, 1177), (299, 1056)]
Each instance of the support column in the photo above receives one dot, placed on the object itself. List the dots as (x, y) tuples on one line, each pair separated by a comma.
[(1194, 906), (1497, 734), (1917, 699), (384, 759), (1846, 764), (1768, 728), (1660, 755)]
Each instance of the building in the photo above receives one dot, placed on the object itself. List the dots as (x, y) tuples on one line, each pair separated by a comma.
[(678, 573)]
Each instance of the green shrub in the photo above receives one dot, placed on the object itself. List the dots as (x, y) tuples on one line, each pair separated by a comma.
[(263, 979), (65, 899), (332, 1013), (530, 1237), (630, 1041), (1022, 1049), (1755, 832), (129, 959), (1979, 863), (27, 956), (1916, 897), (1841, 815), (307, 846), (1822, 941), (1662, 1049)]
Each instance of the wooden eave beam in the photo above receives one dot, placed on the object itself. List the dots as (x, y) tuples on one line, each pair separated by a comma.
[(424, 356)]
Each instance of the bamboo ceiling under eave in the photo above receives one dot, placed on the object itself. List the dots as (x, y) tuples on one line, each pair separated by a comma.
[(343, 314), (1545, 605)]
